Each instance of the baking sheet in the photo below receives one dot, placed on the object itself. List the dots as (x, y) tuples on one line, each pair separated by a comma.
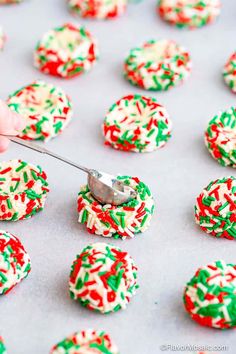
[(39, 312)]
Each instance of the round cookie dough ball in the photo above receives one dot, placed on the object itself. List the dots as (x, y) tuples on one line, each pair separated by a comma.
[(45, 107), (2, 346), (210, 296), (157, 65), (98, 9), (220, 137), (189, 13), (103, 278), (215, 209), (137, 123), (66, 51), (86, 342), (124, 220), (23, 190), (229, 72), (14, 262), (2, 39)]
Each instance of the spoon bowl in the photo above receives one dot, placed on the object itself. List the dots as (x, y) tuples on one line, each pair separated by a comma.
[(106, 189)]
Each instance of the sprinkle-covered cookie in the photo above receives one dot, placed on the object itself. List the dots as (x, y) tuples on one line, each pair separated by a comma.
[(124, 220), (99, 9), (66, 51), (215, 209), (23, 190), (45, 107), (103, 278), (86, 342), (229, 72), (14, 263), (2, 39), (157, 65), (220, 137), (137, 123), (210, 296), (189, 13)]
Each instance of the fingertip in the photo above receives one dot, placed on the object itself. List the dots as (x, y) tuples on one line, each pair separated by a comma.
[(11, 123), (19, 122), (4, 143)]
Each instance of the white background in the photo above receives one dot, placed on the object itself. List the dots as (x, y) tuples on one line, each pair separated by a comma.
[(38, 313)]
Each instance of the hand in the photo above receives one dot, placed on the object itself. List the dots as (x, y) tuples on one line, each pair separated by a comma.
[(10, 124)]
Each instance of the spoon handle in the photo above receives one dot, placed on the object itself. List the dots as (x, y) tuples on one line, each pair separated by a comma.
[(42, 150)]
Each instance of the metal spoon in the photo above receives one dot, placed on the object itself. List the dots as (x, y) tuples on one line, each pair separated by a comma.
[(104, 187)]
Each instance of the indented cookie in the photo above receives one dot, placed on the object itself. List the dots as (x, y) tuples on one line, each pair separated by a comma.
[(14, 262), (189, 13), (124, 220), (86, 342), (103, 278), (137, 123), (229, 72), (23, 190), (2, 39), (215, 209), (45, 107), (220, 137), (66, 51), (157, 65), (99, 9), (210, 296)]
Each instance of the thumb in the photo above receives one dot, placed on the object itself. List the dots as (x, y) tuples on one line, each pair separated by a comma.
[(18, 121), (10, 122)]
